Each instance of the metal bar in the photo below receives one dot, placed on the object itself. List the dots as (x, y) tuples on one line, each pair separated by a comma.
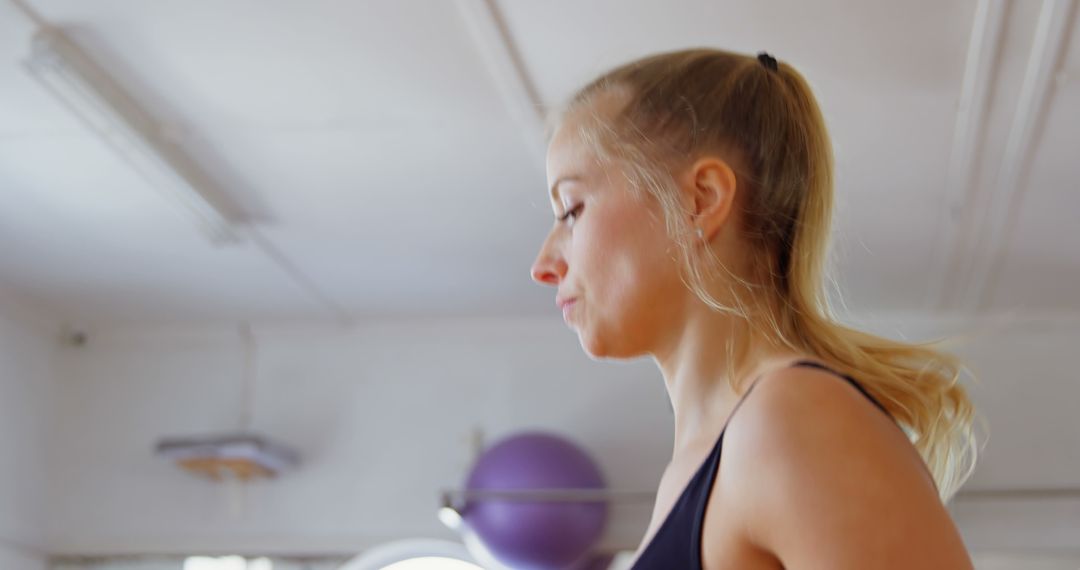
[(1049, 493), (553, 495)]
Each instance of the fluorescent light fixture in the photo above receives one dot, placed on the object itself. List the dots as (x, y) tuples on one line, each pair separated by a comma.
[(87, 89)]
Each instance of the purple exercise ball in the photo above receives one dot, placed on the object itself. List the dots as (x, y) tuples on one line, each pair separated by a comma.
[(536, 535)]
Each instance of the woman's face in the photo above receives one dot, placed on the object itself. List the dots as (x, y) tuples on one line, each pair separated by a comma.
[(608, 254)]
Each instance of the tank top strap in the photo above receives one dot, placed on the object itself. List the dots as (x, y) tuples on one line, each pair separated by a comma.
[(807, 364), (849, 379), (700, 487), (677, 542)]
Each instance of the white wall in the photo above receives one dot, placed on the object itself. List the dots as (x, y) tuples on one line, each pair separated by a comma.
[(19, 557), (26, 348), (1029, 392), (1030, 561), (383, 414)]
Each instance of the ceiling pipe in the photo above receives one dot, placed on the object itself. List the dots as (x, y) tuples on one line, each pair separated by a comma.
[(495, 45), (1007, 201), (956, 217)]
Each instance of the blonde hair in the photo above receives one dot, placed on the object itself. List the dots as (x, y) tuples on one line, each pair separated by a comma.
[(676, 107)]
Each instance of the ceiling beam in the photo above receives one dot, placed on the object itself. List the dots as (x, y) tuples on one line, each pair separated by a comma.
[(1006, 202), (980, 69), (495, 45), (981, 217)]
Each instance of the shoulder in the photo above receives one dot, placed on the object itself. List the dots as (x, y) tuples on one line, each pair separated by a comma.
[(805, 404), (802, 424), (815, 469)]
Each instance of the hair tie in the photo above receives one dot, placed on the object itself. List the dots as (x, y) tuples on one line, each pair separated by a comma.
[(768, 61)]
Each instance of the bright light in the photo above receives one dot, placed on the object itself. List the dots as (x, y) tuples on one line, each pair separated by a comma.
[(450, 517), (226, 563), (432, 563)]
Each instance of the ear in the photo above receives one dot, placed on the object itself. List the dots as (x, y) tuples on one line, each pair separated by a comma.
[(711, 183)]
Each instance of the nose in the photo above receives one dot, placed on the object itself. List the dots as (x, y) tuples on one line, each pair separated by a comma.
[(549, 267)]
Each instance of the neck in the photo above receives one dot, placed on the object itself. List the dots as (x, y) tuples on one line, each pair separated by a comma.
[(700, 378)]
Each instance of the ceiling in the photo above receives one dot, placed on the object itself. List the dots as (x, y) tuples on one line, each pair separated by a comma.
[(389, 153)]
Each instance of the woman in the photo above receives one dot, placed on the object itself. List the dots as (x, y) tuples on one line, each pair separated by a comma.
[(693, 197)]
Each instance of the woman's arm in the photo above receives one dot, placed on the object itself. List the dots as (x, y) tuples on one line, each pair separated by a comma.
[(822, 478)]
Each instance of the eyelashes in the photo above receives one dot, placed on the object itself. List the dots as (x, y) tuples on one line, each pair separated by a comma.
[(574, 213)]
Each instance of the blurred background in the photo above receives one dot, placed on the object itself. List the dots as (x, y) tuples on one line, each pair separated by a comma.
[(313, 222)]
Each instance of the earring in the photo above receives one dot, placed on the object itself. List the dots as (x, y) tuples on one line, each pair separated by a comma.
[(700, 233)]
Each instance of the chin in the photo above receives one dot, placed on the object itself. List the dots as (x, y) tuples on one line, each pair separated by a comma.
[(592, 349), (598, 348)]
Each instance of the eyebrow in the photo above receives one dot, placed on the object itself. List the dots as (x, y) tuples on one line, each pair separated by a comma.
[(555, 186)]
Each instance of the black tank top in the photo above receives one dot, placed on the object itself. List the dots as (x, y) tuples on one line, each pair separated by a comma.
[(677, 543)]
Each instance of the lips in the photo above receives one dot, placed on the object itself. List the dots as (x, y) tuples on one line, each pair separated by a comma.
[(566, 304)]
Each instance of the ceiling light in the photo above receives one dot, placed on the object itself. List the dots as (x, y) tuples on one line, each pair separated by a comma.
[(111, 113), (241, 456)]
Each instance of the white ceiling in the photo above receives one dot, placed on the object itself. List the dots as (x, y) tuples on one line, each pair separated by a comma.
[(376, 146)]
